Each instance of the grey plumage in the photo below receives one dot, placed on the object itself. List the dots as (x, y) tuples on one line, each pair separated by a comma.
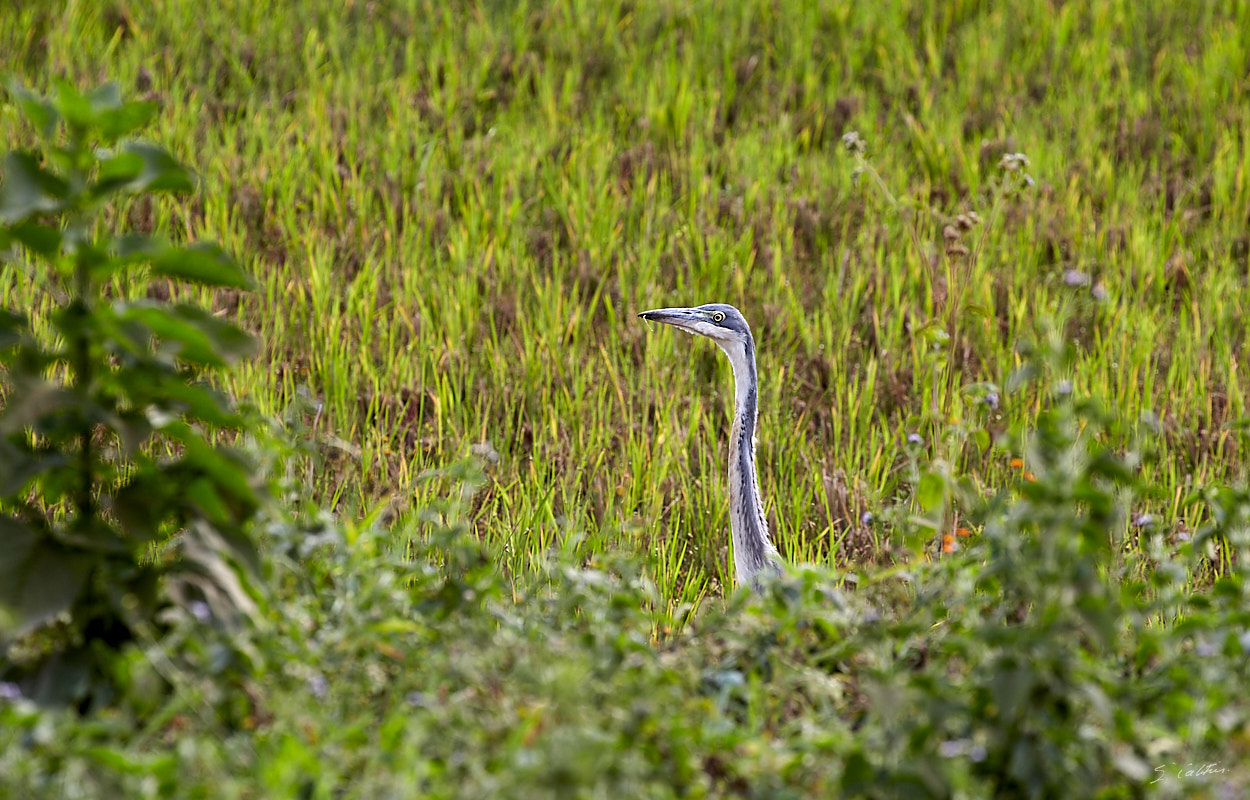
[(754, 553)]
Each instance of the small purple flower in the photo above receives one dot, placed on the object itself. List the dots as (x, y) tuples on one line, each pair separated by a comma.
[(1099, 292), (952, 748), (318, 686), (1206, 648), (865, 518), (991, 400), (416, 699), (1143, 520), (200, 610), (1064, 387), (914, 439), (10, 691), (1074, 277)]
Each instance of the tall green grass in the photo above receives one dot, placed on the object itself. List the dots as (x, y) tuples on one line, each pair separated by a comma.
[(454, 211)]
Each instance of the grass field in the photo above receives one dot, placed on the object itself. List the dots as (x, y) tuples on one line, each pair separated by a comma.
[(503, 571), (454, 212)]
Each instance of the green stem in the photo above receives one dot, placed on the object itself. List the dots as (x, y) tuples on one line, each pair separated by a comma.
[(82, 368), (85, 500)]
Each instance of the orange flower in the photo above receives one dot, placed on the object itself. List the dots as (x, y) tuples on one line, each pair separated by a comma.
[(948, 543), (1029, 476), (964, 532), (1016, 463)]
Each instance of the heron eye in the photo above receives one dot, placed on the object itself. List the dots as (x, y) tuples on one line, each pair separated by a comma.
[(718, 316)]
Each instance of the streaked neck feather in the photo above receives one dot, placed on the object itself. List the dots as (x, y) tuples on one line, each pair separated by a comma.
[(753, 550)]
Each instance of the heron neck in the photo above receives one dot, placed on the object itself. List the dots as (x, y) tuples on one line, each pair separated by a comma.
[(753, 550)]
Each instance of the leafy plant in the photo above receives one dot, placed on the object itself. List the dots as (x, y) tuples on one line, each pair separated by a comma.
[(1043, 653), (115, 502)]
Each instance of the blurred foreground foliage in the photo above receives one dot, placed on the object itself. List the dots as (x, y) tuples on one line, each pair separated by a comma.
[(1033, 660)]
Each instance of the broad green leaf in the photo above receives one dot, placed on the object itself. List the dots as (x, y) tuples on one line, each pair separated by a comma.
[(74, 106), (1110, 466), (858, 776), (201, 338), (19, 467), (29, 190), (116, 761), (181, 339), (135, 248), (161, 173), (38, 578), (37, 110), (131, 245), (63, 679), (230, 341), (1228, 587), (205, 264), (121, 337), (117, 172), (1100, 617), (42, 239), (143, 504), (99, 538), (105, 97), (1009, 688), (930, 491), (31, 400), (12, 328), (125, 118), (198, 401), (95, 260), (202, 494), (228, 473), (102, 110)]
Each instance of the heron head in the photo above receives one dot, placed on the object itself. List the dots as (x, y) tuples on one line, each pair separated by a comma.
[(717, 321)]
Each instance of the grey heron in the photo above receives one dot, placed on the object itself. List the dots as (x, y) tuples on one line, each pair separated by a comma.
[(754, 553)]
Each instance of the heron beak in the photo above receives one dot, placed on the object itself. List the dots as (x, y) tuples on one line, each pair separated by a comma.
[(683, 318)]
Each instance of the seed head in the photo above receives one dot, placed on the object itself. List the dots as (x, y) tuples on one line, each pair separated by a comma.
[(853, 142)]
